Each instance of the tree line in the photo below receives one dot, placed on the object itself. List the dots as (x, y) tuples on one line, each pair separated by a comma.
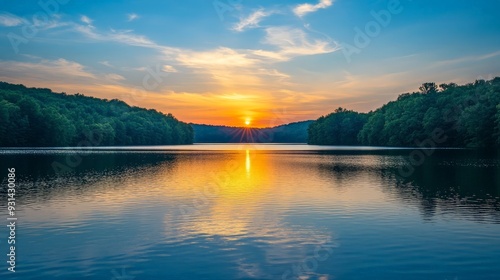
[(38, 117), (289, 133), (466, 115)]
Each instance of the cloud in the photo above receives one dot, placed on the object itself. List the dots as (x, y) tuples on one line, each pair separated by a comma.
[(45, 70), (293, 42), (252, 20), (119, 36), (129, 38), (10, 20), (222, 66), (169, 69), (231, 68), (106, 63), (219, 57), (86, 19), (303, 9), (132, 16), (114, 77), (472, 58)]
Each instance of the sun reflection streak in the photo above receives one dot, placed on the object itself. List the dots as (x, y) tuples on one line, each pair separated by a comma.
[(247, 162)]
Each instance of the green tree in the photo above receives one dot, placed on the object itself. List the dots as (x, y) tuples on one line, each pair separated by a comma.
[(40, 117)]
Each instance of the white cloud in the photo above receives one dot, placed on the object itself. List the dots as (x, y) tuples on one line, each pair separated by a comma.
[(86, 19), (10, 20), (232, 68), (169, 69), (252, 20), (293, 42), (472, 58), (106, 63), (44, 69), (46, 25), (218, 57), (120, 36), (225, 66), (303, 9), (129, 38), (132, 16), (114, 77)]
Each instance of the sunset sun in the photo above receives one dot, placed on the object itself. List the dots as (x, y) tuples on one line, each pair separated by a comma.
[(247, 122)]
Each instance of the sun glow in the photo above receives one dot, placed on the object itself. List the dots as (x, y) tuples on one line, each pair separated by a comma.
[(247, 122)]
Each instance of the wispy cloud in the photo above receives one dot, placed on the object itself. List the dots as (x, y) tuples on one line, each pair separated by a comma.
[(489, 55), (132, 16), (232, 68), (169, 69), (44, 69), (465, 59), (61, 75), (129, 38), (120, 36), (252, 20), (114, 77), (303, 9), (10, 20), (218, 57), (222, 66), (293, 42), (106, 63), (86, 19)]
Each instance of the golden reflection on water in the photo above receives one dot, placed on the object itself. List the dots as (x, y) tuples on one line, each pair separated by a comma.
[(247, 162), (222, 189), (235, 195)]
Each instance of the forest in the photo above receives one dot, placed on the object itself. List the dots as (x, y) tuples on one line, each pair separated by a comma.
[(288, 133), (464, 115), (38, 117)]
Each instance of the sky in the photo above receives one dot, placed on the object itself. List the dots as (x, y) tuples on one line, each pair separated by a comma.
[(232, 62)]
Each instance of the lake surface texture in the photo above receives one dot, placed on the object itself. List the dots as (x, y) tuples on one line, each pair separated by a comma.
[(253, 212)]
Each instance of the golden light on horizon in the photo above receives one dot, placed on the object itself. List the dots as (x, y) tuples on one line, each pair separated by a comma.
[(247, 122)]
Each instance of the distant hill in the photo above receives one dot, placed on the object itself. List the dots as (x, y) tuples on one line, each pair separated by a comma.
[(289, 133), (38, 117), (448, 115)]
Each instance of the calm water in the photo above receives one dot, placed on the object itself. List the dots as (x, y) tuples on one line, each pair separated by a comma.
[(253, 212)]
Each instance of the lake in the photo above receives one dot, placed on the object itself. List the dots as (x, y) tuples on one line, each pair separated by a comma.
[(253, 212)]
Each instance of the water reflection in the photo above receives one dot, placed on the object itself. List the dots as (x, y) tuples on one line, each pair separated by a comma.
[(453, 185), (244, 213), (231, 183), (247, 162)]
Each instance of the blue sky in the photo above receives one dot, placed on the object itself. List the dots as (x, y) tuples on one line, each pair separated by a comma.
[(228, 61)]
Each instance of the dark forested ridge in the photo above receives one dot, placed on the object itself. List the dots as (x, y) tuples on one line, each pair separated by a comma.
[(288, 133), (339, 128), (459, 116), (38, 117)]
